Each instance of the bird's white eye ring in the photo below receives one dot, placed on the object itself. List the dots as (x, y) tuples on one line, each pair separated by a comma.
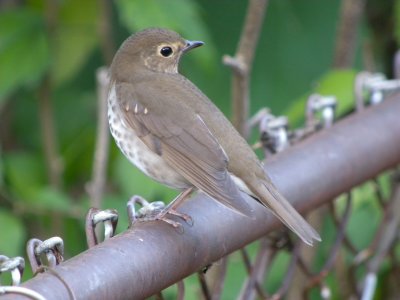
[(166, 51)]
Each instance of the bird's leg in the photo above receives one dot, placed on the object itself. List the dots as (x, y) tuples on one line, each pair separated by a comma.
[(171, 209)]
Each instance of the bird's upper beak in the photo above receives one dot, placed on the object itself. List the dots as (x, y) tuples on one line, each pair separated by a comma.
[(192, 44)]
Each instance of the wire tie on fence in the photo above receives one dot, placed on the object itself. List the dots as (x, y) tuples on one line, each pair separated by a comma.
[(108, 217), (376, 96), (325, 105), (317, 105), (53, 248), (369, 286), (325, 292), (374, 86), (59, 277), (362, 85), (383, 84), (274, 133), (257, 117), (362, 256), (22, 291), (15, 265)]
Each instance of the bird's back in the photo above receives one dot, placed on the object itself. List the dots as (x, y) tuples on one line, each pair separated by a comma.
[(241, 156)]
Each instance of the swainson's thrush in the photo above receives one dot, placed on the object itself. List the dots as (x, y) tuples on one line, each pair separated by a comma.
[(172, 132)]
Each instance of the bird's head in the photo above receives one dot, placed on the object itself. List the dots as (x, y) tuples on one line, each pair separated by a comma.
[(154, 49)]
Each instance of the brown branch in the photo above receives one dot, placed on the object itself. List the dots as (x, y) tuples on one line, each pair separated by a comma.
[(46, 115), (384, 240), (48, 131), (107, 44), (241, 63), (387, 235), (290, 272), (96, 186), (52, 156), (350, 16), (218, 278), (252, 287)]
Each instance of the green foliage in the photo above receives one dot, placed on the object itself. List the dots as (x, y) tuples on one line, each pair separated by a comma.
[(13, 234), (75, 37), (179, 15), (25, 174), (338, 83), (50, 199), (397, 20), (24, 53), (27, 183)]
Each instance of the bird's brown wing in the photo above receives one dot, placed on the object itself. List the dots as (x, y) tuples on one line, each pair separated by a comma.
[(183, 140)]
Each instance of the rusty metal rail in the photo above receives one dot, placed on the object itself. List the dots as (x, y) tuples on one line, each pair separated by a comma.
[(151, 256)]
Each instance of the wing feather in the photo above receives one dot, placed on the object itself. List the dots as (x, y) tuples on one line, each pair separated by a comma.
[(185, 142)]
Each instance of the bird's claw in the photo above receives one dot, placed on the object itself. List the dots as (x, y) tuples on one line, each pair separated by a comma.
[(188, 219), (178, 226), (152, 211)]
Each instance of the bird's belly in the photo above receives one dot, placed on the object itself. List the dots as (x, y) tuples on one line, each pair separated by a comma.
[(138, 153)]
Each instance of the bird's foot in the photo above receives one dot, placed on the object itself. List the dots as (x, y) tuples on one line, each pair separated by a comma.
[(171, 210), (147, 212), (151, 211), (178, 226), (188, 219)]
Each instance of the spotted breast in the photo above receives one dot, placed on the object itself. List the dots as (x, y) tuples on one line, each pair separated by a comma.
[(137, 152)]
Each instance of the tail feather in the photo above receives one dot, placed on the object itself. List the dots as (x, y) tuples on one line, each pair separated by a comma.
[(271, 198)]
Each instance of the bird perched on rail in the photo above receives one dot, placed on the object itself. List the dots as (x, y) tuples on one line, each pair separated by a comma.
[(172, 132)]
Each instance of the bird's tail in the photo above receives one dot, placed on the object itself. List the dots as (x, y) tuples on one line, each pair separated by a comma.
[(271, 198)]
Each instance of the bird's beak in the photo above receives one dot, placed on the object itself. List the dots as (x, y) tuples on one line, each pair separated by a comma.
[(192, 44)]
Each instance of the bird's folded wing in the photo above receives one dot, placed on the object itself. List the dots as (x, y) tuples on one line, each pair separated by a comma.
[(185, 142)]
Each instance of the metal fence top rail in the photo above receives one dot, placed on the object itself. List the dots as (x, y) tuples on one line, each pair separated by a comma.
[(151, 256)]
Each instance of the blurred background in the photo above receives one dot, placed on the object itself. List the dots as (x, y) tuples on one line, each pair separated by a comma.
[(50, 52)]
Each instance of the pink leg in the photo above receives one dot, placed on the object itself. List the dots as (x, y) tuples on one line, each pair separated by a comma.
[(171, 209)]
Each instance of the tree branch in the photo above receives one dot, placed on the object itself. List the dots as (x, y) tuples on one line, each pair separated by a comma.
[(346, 38), (241, 63), (96, 186), (46, 115)]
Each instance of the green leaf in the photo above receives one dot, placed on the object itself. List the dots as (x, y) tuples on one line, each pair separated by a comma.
[(49, 199), (24, 54), (74, 38), (27, 182), (1, 170), (12, 234), (179, 15), (338, 83), (279, 265), (397, 20), (360, 231), (25, 174)]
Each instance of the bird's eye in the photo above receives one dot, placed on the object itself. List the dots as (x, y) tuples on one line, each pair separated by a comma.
[(166, 51)]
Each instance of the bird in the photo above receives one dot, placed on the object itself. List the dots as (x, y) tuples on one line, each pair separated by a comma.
[(172, 132)]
